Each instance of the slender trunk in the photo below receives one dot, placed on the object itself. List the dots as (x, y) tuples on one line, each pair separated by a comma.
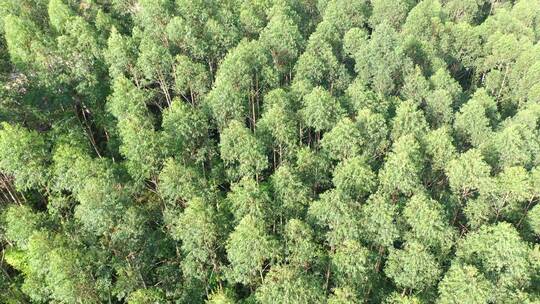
[(164, 88)]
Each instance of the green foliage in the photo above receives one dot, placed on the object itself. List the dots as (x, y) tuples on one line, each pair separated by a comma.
[(320, 110), (24, 155), (378, 222), (290, 192), (475, 118), (412, 267), (467, 173), (428, 224), (283, 284), (269, 151), (241, 151), (301, 247), (408, 120), (197, 229), (145, 296), (500, 255), (185, 132), (354, 179), (351, 265), (20, 223), (402, 169), (249, 250), (179, 182), (464, 284)]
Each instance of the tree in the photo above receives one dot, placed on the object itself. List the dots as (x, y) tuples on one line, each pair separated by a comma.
[(499, 254), (467, 173), (320, 110), (464, 284), (354, 179), (508, 193), (282, 37), (180, 182), (475, 118), (185, 132), (247, 197), (139, 141), (290, 193), (20, 223), (342, 296), (350, 266), (242, 79), (374, 133), (533, 219), (440, 147), (378, 222), (339, 216), (408, 120), (381, 62), (197, 229), (393, 12), (286, 285), (191, 79), (241, 152), (120, 56), (154, 63), (415, 86), (343, 141), (280, 123), (25, 42), (301, 248), (143, 296), (428, 225), (249, 250), (319, 66), (413, 267), (24, 155), (59, 14), (402, 169)]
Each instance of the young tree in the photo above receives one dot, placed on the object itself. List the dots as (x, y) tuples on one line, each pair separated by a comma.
[(249, 198), (409, 120), (301, 247), (475, 119), (501, 256), (429, 225), (440, 148), (243, 78), (242, 152), (24, 154), (285, 284), (197, 229), (280, 123), (135, 128), (343, 141), (320, 110), (282, 37), (412, 268), (354, 179), (290, 193), (351, 266), (464, 284), (185, 132), (191, 79), (402, 169), (249, 250), (467, 173)]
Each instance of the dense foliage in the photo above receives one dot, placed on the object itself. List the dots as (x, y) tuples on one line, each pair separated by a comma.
[(270, 151)]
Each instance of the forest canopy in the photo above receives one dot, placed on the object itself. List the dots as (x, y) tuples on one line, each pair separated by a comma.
[(270, 151)]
